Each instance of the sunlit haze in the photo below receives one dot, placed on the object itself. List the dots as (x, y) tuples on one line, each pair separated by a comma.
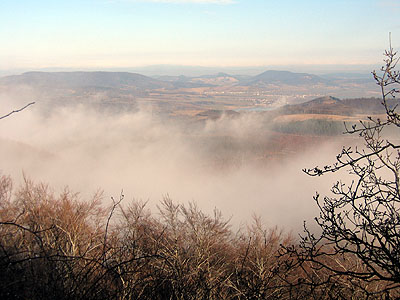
[(130, 33)]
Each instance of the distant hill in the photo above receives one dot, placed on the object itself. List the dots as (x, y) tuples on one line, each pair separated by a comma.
[(183, 81), (369, 105), (213, 80), (184, 94), (325, 116), (334, 106), (284, 77), (135, 81), (265, 78), (84, 79)]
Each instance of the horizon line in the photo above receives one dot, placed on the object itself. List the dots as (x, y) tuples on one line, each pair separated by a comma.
[(296, 68)]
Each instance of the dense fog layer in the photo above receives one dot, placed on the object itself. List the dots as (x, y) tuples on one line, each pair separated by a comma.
[(215, 163)]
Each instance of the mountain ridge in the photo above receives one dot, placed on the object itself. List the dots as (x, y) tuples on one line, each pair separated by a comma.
[(78, 79), (117, 79)]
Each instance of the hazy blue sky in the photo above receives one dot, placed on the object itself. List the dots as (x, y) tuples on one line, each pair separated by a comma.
[(126, 33)]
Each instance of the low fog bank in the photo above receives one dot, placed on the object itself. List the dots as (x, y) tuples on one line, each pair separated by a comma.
[(217, 164)]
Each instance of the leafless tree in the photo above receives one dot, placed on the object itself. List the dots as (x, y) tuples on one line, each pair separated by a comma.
[(359, 238)]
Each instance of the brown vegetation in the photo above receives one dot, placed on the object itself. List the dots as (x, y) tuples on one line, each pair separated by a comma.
[(60, 247)]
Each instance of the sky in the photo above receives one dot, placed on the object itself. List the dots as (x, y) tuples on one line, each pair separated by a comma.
[(100, 34)]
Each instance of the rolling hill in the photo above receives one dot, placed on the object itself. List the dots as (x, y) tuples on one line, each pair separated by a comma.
[(333, 106), (284, 77), (85, 79)]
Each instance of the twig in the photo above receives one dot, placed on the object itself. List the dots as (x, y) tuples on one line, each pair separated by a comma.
[(15, 111)]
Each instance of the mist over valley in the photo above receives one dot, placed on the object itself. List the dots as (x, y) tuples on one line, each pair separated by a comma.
[(236, 143)]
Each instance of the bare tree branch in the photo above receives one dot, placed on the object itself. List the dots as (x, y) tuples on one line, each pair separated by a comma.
[(16, 111)]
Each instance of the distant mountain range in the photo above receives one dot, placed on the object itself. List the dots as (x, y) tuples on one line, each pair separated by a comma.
[(220, 91), (138, 81), (84, 79)]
